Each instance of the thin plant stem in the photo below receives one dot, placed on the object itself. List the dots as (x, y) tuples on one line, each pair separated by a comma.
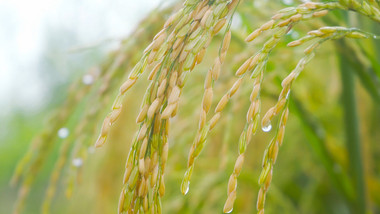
[(316, 138), (352, 126)]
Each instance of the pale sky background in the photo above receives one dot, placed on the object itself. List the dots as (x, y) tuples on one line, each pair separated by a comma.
[(24, 29)]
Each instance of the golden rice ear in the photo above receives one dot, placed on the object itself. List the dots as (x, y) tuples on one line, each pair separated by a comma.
[(171, 57), (189, 35)]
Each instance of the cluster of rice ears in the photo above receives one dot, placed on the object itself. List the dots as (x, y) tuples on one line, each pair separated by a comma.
[(168, 61)]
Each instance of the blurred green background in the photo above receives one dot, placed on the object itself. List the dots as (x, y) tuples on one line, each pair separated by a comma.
[(314, 172)]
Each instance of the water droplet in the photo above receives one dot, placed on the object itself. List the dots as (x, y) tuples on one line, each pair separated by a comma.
[(88, 79), (77, 162), (288, 2), (187, 190), (229, 211), (267, 128), (295, 35), (63, 133), (185, 187), (287, 94)]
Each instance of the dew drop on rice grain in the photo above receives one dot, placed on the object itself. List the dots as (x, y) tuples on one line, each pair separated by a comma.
[(77, 162), (88, 79), (187, 187), (63, 132), (267, 128)]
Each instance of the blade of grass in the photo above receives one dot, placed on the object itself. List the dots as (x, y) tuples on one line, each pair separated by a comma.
[(316, 139), (365, 72), (368, 73), (352, 129)]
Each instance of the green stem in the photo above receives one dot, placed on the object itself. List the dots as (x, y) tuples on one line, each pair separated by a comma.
[(352, 132), (317, 141)]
